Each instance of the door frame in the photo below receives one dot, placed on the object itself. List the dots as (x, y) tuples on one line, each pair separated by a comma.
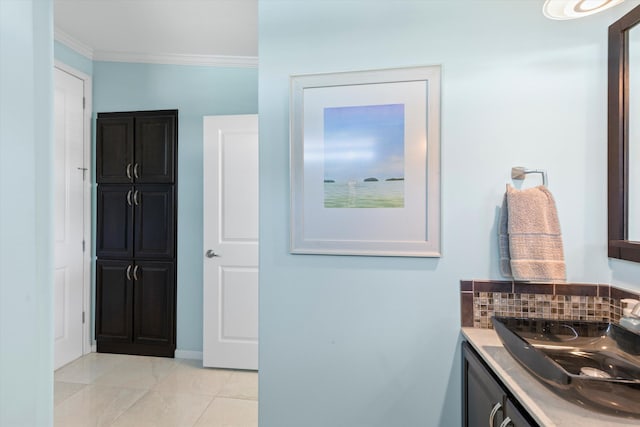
[(88, 344)]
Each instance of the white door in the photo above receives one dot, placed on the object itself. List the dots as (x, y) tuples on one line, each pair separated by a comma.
[(230, 288), (68, 217)]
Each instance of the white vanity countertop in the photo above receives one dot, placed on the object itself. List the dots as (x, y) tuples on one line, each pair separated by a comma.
[(543, 405)]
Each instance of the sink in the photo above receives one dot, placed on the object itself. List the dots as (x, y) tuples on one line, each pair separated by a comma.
[(593, 364)]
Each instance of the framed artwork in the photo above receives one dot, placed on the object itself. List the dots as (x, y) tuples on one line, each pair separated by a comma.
[(365, 163)]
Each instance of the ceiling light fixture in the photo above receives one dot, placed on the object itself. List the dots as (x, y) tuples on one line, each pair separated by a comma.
[(572, 9)]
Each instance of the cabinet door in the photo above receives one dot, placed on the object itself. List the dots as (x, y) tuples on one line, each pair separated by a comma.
[(155, 149), (482, 395), (114, 303), (114, 234), (516, 417), (114, 150), (154, 308), (154, 221)]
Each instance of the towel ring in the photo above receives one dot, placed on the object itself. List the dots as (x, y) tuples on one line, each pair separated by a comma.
[(519, 173)]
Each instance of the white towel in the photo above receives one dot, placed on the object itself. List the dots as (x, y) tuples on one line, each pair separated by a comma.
[(529, 236)]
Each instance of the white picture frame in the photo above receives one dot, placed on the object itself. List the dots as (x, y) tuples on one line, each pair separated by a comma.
[(365, 163)]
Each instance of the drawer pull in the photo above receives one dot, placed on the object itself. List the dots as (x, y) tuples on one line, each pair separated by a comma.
[(506, 422), (497, 407)]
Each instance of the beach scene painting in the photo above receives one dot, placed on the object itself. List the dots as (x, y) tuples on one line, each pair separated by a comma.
[(364, 156)]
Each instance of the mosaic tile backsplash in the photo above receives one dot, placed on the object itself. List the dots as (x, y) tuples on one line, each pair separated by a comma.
[(561, 307), (481, 300)]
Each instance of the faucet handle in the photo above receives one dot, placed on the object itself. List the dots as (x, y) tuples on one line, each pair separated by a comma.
[(630, 307), (635, 311)]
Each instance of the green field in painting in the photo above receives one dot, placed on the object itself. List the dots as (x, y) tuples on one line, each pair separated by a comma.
[(378, 194)]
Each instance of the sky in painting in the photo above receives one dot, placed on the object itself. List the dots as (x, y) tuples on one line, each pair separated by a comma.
[(364, 142)]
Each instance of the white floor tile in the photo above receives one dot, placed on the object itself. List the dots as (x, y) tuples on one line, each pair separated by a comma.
[(190, 377), (162, 409), (87, 368), (138, 372), (62, 391), (95, 405), (103, 389), (225, 412), (241, 385)]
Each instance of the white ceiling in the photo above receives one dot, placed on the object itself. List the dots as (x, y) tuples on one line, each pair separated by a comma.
[(111, 29)]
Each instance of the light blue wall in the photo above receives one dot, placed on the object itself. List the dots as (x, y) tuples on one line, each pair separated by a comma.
[(195, 91), (26, 239), (72, 58), (363, 341)]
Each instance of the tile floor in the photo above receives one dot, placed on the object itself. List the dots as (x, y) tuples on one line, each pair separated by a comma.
[(102, 389)]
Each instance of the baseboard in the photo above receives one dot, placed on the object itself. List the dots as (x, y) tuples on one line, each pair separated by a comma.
[(179, 354), (188, 354)]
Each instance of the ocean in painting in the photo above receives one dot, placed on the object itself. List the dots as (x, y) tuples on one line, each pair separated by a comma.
[(371, 194)]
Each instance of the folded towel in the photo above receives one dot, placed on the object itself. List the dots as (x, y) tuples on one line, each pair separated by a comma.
[(529, 236), (503, 239)]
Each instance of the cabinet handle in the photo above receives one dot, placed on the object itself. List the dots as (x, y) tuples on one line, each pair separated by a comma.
[(135, 198), (135, 170), (129, 172), (506, 422), (497, 407), (135, 273), (129, 197), (129, 272)]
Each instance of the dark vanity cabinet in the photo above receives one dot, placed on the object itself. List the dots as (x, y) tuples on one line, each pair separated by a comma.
[(485, 400), (136, 232)]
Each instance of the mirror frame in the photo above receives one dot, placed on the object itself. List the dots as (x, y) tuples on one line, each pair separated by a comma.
[(618, 139)]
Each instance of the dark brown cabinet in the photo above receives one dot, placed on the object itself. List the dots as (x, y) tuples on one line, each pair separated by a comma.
[(136, 221), (114, 232), (153, 295), (136, 313), (114, 311), (137, 147), (136, 232), (485, 400), (114, 150)]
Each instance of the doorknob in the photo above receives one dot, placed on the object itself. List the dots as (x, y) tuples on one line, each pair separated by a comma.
[(211, 254)]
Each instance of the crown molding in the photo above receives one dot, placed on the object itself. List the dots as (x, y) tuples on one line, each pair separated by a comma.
[(72, 43), (178, 59), (151, 58)]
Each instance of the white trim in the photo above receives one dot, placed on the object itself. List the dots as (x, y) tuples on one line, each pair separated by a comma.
[(72, 43), (154, 58), (188, 354), (68, 69), (86, 264), (178, 59)]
